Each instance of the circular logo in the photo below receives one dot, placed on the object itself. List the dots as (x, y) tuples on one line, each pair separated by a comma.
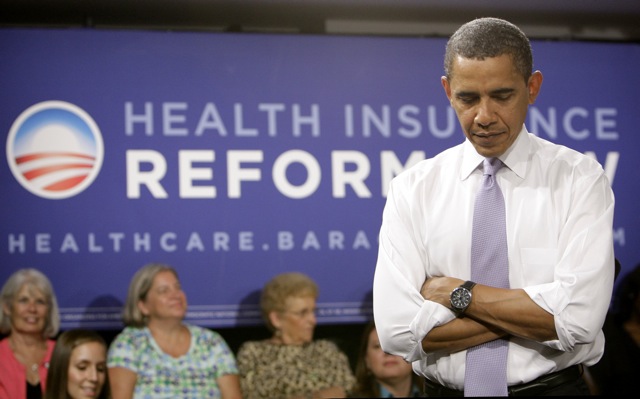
[(55, 149)]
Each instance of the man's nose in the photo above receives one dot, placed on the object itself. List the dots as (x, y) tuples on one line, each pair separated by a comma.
[(485, 114)]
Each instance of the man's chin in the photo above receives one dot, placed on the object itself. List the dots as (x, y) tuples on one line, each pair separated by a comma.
[(488, 151)]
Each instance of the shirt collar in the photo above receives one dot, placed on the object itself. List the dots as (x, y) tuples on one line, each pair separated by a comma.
[(515, 158)]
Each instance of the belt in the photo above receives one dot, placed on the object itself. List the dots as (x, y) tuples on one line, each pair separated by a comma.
[(532, 388)]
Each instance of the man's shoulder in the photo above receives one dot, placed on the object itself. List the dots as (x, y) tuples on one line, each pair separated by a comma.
[(561, 156)]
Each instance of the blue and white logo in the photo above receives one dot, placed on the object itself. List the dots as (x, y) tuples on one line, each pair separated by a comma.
[(55, 149)]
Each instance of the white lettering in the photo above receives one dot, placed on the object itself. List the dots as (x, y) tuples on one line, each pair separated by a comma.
[(285, 241), (167, 242), (43, 245), (567, 123), (361, 241), (189, 173), (271, 110), (406, 116), (295, 174), (195, 243), (141, 242), (282, 183), (236, 174), (382, 123), (449, 130), (170, 118), (336, 239), (602, 123), (537, 122), (245, 241), (298, 120), (348, 120), (146, 118), (241, 131), (310, 241), (69, 244), (17, 243), (210, 119), (93, 247), (619, 236), (355, 178), (220, 241), (136, 177), (116, 238), (408, 121)]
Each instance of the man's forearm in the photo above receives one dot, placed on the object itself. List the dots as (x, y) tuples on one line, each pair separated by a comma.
[(493, 313), (512, 311), (459, 334)]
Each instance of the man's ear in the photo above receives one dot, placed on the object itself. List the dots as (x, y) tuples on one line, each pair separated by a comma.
[(445, 85), (534, 84)]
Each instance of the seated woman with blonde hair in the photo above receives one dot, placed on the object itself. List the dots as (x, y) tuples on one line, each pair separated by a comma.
[(291, 364), (157, 355)]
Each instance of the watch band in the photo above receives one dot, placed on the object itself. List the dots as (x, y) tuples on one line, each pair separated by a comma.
[(468, 285)]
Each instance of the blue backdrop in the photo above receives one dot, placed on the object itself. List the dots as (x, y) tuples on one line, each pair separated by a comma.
[(234, 157)]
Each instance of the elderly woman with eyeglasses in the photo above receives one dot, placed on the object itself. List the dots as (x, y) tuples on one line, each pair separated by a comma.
[(291, 364)]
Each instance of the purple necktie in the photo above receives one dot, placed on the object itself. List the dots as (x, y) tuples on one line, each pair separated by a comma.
[(486, 367)]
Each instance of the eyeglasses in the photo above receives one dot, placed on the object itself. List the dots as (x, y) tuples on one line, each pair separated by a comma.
[(304, 313)]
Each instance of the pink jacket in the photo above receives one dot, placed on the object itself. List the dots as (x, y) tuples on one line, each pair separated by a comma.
[(13, 376)]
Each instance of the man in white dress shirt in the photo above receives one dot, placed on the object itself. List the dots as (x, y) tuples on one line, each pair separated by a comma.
[(559, 222)]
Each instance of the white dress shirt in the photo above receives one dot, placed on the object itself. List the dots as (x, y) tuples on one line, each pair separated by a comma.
[(559, 212)]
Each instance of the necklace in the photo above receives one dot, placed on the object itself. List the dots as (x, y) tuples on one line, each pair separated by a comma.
[(23, 359)]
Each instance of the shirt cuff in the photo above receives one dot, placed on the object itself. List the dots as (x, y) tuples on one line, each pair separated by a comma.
[(550, 298), (431, 315)]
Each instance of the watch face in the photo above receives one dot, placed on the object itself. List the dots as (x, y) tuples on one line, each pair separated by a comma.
[(460, 298)]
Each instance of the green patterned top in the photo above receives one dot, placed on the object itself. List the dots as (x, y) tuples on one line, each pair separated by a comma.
[(160, 375)]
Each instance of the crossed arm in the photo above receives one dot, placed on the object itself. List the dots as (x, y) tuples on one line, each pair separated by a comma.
[(493, 313)]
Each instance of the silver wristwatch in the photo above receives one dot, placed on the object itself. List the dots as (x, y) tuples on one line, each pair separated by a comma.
[(461, 297)]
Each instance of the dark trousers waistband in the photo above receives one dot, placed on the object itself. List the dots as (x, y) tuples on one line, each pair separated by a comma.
[(532, 388)]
